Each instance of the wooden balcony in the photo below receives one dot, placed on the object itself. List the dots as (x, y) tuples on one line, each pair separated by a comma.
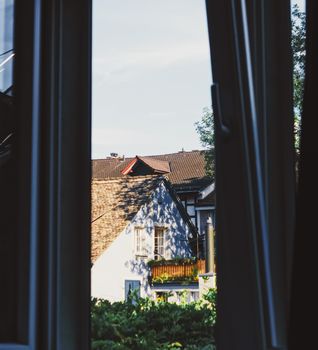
[(172, 272)]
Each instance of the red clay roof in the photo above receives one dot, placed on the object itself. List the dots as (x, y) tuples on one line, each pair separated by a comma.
[(187, 169), (156, 164)]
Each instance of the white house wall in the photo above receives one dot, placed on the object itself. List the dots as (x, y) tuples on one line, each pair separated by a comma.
[(119, 263)]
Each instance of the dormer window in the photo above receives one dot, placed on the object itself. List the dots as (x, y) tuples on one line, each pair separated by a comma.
[(146, 166)]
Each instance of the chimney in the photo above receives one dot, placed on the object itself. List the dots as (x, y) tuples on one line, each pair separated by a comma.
[(209, 246)]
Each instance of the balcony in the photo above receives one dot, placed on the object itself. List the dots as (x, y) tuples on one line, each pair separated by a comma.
[(182, 271)]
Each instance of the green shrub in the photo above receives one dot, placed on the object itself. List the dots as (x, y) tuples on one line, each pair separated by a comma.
[(147, 324)]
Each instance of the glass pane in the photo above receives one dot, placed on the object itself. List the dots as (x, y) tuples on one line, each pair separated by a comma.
[(190, 210), (6, 46), (204, 216), (130, 287)]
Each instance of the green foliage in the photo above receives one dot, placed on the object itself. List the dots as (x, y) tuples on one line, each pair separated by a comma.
[(205, 129), (175, 261), (161, 279), (299, 56), (166, 278), (148, 324), (299, 53), (209, 300)]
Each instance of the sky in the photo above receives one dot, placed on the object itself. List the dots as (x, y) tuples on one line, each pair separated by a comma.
[(300, 3), (151, 75), (6, 43)]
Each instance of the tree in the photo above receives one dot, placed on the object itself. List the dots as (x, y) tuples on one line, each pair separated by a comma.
[(205, 127), (299, 54)]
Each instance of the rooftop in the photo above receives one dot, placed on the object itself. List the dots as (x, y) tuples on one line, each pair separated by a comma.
[(185, 170), (115, 202)]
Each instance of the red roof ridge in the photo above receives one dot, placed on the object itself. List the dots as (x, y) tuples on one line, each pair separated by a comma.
[(156, 164), (186, 170)]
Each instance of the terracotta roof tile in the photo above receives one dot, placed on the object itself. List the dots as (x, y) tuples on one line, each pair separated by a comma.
[(187, 169), (115, 202), (156, 164)]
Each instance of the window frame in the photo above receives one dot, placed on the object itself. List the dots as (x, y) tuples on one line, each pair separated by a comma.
[(27, 44), (52, 76), (142, 251), (133, 281), (163, 231), (57, 34), (255, 175)]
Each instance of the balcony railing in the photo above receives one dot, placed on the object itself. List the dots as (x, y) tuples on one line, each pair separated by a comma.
[(182, 272)]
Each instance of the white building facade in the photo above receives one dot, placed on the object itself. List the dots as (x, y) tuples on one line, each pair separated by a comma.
[(157, 231)]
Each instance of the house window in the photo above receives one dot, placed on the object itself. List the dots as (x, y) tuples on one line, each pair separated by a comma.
[(159, 246), (132, 288), (183, 296), (162, 296), (194, 296), (190, 210), (204, 216), (140, 242)]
